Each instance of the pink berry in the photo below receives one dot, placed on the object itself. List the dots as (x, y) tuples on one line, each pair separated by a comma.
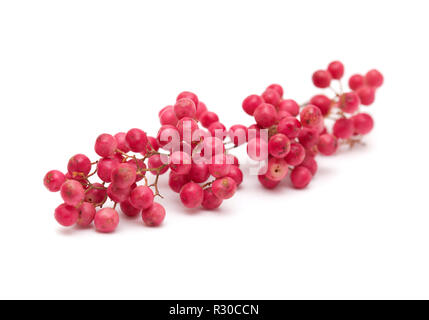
[(105, 166), (236, 174), (168, 136), (66, 215), (366, 95), (311, 116), (356, 81), (121, 142), (137, 140), (106, 220), (328, 144), (124, 175), (186, 127), (201, 108), (210, 201), (265, 115), (185, 108), (343, 128), (362, 123), (238, 134), (76, 176), (322, 102), (168, 117), (296, 154), (349, 102), (308, 137), (300, 177), (217, 129), (374, 78), (219, 167), (276, 87), (253, 131), (207, 118), (79, 164), (290, 127), (251, 103), (191, 195), (86, 214), (199, 172), (154, 216), (257, 149), (180, 162), (322, 79), (177, 181), (53, 180), (231, 159), (128, 209), (141, 197), (157, 165), (188, 95), (96, 194), (105, 145), (212, 146), (271, 96), (152, 145), (279, 145), (281, 114), (267, 183), (169, 107), (72, 192), (310, 163), (277, 169), (336, 69), (224, 188), (290, 106), (312, 152), (118, 194)]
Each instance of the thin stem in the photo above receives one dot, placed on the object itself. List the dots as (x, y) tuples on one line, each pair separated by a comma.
[(208, 184), (91, 174)]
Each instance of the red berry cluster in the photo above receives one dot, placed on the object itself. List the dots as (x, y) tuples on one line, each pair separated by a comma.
[(119, 172), (197, 153), (193, 155), (295, 133), (194, 146)]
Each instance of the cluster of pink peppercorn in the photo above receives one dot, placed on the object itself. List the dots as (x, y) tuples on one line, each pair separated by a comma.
[(193, 146), (297, 133)]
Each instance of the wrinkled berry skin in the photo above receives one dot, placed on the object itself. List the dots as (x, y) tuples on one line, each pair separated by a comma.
[(106, 220)]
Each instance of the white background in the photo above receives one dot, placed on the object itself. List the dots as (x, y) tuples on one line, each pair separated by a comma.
[(70, 70)]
